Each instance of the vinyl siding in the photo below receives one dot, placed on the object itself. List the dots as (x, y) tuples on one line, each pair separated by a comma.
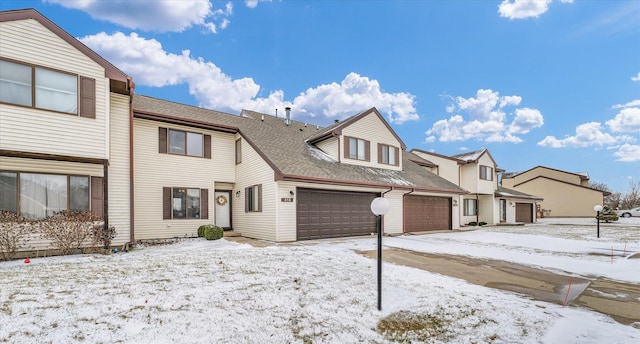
[(372, 129), (393, 220), (253, 171), (564, 200), (55, 133), (447, 168), (541, 171), (153, 171), (331, 147), (119, 182), (287, 212)]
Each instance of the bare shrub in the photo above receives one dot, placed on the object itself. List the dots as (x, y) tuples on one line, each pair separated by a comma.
[(69, 230), (14, 232)]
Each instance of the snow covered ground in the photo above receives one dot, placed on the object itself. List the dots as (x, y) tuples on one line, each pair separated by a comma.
[(199, 291)]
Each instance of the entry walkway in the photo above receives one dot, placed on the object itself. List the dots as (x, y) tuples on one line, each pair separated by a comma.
[(617, 299)]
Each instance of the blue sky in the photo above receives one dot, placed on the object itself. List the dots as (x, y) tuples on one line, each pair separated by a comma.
[(543, 82)]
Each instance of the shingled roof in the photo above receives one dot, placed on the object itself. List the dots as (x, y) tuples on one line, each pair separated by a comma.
[(286, 148)]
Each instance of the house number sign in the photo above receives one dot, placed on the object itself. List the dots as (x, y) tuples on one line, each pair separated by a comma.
[(286, 199)]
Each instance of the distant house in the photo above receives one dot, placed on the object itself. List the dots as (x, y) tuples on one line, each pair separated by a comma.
[(64, 125), (477, 172), (565, 194)]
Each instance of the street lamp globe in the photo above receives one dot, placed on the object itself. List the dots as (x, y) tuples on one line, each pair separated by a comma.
[(379, 206), (597, 208)]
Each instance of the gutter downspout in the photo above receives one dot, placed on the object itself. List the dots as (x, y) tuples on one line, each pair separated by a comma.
[(105, 188), (132, 238)]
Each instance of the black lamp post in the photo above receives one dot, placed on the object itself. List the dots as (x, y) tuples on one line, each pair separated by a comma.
[(597, 209), (379, 207)]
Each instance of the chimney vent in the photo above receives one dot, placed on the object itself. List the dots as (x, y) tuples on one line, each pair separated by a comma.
[(287, 111), (262, 118), (336, 121)]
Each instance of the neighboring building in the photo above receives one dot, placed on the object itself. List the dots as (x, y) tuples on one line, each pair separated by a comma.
[(276, 179), (64, 125), (477, 172), (565, 194)]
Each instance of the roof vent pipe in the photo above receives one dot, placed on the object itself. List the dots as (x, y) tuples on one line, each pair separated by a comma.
[(287, 111)]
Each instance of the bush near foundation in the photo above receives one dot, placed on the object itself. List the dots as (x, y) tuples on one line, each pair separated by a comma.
[(212, 232), (69, 230), (14, 232)]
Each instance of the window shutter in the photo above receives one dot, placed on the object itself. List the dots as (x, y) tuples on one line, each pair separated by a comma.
[(398, 157), (87, 97), (162, 142), (207, 146), (204, 204), (260, 197), (367, 151), (246, 200), (379, 153), (97, 196), (166, 203), (347, 146)]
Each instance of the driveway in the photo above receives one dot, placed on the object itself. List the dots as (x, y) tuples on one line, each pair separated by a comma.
[(617, 299)]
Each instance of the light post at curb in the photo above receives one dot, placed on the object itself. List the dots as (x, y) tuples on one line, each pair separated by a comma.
[(379, 207), (597, 209)]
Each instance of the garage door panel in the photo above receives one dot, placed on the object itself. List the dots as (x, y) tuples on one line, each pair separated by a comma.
[(524, 212), (425, 213), (341, 213)]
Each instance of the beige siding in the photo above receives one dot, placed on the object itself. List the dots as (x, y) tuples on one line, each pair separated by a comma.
[(331, 147), (447, 168), (564, 200), (286, 221), (372, 129), (393, 220), (57, 133), (153, 171), (119, 179), (541, 171), (253, 170)]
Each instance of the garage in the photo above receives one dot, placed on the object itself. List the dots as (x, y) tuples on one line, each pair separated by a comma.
[(332, 214), (426, 213), (524, 212)]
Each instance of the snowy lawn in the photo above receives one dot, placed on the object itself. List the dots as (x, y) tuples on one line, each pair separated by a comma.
[(199, 291)]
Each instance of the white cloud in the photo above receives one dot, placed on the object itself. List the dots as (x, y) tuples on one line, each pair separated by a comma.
[(636, 78), (254, 3), (487, 119), (150, 65), (629, 104), (628, 153), (626, 121), (523, 9), (157, 15), (587, 135)]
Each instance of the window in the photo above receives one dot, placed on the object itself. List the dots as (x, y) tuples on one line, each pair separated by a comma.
[(355, 148), (38, 196), (46, 89), (184, 143), (387, 154), (486, 173), (238, 151), (470, 207), (253, 199), (185, 203)]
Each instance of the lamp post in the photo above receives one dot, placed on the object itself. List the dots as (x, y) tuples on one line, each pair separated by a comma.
[(379, 207), (597, 209)]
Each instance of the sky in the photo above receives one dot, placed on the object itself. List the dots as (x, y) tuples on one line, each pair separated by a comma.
[(279, 294), (551, 83)]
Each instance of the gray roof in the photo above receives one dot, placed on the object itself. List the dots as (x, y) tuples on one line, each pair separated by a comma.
[(287, 151), (510, 193)]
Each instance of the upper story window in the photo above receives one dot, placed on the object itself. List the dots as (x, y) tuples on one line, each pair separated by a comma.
[(184, 143), (46, 89), (357, 149), (238, 151), (486, 172), (388, 154)]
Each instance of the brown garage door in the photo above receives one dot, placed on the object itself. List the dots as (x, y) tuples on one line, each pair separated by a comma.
[(426, 213), (524, 212), (332, 214)]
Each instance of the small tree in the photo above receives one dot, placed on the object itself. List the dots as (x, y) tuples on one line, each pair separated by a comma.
[(607, 214), (14, 231)]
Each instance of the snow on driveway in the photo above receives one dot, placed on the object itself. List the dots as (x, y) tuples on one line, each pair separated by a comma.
[(199, 291)]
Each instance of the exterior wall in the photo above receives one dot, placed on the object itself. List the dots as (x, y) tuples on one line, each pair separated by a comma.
[(564, 200), (119, 167), (253, 170), (57, 133), (541, 171), (447, 168), (372, 129), (393, 220), (330, 146), (486, 186), (153, 171), (469, 177)]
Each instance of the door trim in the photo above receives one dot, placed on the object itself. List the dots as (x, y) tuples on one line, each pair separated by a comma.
[(230, 200)]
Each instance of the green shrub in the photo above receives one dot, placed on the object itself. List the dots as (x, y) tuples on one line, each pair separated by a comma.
[(473, 223), (482, 223), (212, 232), (201, 230), (606, 214)]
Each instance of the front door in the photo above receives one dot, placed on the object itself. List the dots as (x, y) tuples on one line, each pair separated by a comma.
[(503, 210), (223, 209)]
